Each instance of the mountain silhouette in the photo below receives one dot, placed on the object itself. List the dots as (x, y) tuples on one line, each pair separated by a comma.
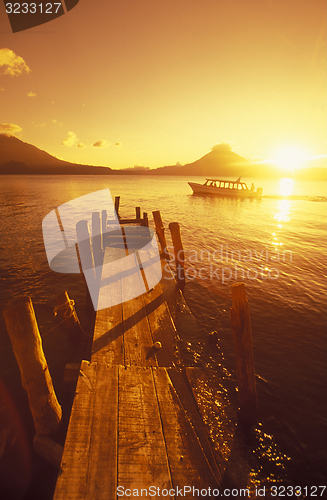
[(18, 157), (220, 161)]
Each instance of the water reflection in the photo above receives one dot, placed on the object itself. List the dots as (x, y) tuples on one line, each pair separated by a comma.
[(284, 210), (286, 186)]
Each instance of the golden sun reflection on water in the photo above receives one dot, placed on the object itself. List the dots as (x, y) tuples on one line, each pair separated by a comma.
[(286, 186), (284, 210)]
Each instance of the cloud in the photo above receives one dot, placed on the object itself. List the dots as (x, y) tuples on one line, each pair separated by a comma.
[(31, 94), (9, 128), (70, 140), (223, 147), (81, 145), (10, 64), (101, 144)]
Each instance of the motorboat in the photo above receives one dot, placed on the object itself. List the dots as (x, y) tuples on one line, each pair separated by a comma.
[(221, 187)]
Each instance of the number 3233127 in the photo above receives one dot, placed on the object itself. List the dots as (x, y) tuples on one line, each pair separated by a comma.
[(32, 8)]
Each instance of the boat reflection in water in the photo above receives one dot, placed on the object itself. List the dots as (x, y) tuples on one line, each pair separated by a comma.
[(219, 187)]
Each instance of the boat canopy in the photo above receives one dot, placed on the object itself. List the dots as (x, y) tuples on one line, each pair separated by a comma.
[(225, 184), (225, 180)]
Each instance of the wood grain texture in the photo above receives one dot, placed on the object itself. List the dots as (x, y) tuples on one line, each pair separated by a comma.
[(209, 469), (72, 480), (89, 462), (130, 426), (102, 470), (242, 334), (108, 329), (36, 379), (137, 336), (142, 458), (161, 326), (177, 432)]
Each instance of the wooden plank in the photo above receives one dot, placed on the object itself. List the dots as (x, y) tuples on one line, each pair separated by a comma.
[(160, 230), (102, 470), (185, 395), (167, 279), (71, 484), (126, 221), (183, 459), (142, 458), (97, 243), (89, 462), (161, 326), (149, 259), (243, 345), (131, 282), (108, 330), (137, 336)]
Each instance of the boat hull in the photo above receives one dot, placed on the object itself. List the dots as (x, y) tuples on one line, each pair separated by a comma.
[(216, 191)]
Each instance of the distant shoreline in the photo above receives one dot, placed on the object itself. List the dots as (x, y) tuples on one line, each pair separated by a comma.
[(303, 176), (20, 158)]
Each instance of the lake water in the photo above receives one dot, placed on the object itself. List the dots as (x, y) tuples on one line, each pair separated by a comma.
[(276, 245)]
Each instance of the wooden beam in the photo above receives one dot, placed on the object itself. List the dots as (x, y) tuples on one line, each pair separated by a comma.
[(179, 253), (242, 334), (108, 330), (104, 218), (160, 230), (85, 245), (161, 326), (117, 201), (72, 481), (145, 220), (48, 449), (125, 221), (97, 243), (137, 335), (102, 460), (36, 379), (142, 458), (187, 460)]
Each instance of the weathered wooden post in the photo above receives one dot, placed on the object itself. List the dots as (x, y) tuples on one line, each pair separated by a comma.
[(138, 212), (85, 256), (179, 253), (117, 201), (242, 333), (48, 449), (97, 239), (84, 245), (160, 230), (104, 218), (36, 379), (82, 272), (145, 219)]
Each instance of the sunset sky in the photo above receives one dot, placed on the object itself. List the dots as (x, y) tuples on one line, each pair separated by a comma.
[(153, 83)]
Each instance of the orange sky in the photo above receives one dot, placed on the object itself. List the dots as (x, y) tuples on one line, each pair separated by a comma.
[(158, 82)]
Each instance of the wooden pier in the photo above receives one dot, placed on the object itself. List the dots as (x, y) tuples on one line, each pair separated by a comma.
[(134, 423)]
